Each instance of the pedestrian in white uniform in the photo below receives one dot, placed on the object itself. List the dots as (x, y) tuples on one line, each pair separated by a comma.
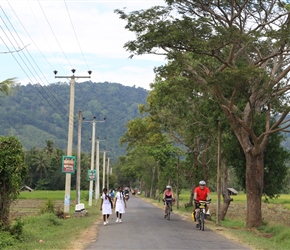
[(106, 206), (120, 204)]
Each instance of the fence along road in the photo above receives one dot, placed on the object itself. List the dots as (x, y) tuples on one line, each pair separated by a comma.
[(144, 227)]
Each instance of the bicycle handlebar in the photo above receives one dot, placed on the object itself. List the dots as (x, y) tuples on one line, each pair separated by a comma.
[(206, 202)]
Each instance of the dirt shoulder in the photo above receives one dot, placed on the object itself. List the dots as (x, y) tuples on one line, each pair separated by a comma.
[(88, 236)]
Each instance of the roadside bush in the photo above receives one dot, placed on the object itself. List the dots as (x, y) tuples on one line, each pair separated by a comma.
[(6, 240), (48, 207), (16, 228)]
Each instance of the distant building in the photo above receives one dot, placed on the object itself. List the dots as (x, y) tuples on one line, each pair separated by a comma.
[(232, 191), (26, 188)]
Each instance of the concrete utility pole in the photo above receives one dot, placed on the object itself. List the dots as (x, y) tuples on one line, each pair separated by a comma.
[(92, 160), (104, 168), (70, 133), (78, 180), (108, 172), (97, 183)]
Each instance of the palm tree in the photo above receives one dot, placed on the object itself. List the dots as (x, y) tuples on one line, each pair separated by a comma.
[(6, 85), (41, 163), (49, 147)]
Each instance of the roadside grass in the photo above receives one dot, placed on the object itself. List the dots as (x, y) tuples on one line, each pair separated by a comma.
[(53, 232), (44, 194), (47, 231), (273, 234), (47, 194)]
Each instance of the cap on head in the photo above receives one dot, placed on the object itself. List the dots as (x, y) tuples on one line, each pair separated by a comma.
[(202, 183), (168, 186)]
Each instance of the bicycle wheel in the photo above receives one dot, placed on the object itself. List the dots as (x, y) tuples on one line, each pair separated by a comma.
[(201, 225), (168, 212)]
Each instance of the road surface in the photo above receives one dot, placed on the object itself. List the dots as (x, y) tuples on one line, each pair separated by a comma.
[(144, 227)]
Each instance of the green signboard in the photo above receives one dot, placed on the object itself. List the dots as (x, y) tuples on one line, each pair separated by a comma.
[(68, 164), (92, 175)]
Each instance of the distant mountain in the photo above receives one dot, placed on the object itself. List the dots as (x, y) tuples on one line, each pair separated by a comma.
[(36, 113)]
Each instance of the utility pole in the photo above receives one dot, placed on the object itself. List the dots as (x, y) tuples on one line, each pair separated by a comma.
[(108, 173), (97, 183), (70, 133), (104, 168), (92, 159), (78, 180), (218, 215)]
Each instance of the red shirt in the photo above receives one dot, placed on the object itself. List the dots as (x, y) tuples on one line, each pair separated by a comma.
[(201, 194)]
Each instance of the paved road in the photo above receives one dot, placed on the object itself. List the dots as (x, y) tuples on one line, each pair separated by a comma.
[(143, 227)]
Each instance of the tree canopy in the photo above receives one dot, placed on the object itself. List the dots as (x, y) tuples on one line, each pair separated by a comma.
[(234, 52), (12, 174)]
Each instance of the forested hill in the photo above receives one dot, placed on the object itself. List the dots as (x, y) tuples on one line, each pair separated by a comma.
[(36, 113)]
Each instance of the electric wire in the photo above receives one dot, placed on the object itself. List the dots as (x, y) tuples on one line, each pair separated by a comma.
[(36, 44), (54, 34), (25, 71), (39, 49), (24, 55), (75, 34), (43, 34), (43, 76)]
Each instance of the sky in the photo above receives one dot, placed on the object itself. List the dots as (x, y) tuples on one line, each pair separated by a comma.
[(40, 36)]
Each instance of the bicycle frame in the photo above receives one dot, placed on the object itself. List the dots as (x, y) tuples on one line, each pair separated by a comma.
[(202, 206), (168, 202)]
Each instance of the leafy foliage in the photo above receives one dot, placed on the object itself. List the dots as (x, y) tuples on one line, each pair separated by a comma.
[(237, 55), (12, 174)]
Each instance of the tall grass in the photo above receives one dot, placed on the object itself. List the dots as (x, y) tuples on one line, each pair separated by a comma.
[(46, 231)]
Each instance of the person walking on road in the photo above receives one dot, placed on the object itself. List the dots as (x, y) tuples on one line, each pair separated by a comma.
[(112, 194), (106, 206), (120, 204)]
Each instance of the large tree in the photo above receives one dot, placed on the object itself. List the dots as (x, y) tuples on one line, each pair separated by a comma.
[(12, 174), (237, 51)]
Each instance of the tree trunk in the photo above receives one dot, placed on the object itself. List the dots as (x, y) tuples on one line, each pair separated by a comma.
[(195, 177), (226, 197), (152, 182), (4, 206), (177, 183), (191, 196), (254, 187)]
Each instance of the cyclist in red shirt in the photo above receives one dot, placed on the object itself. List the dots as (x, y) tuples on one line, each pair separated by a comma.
[(201, 193)]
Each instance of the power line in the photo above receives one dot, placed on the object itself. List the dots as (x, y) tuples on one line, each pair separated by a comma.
[(26, 73), (54, 35), (29, 62), (75, 34)]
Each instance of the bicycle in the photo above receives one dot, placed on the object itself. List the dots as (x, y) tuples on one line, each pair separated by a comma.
[(202, 206), (168, 207)]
